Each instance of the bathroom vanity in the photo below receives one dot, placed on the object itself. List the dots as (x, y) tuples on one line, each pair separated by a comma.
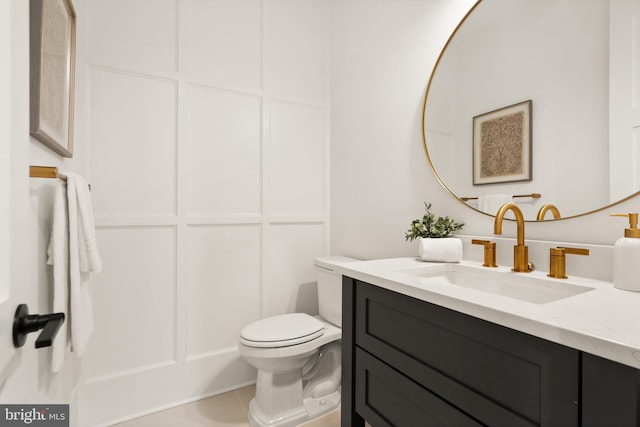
[(422, 347)]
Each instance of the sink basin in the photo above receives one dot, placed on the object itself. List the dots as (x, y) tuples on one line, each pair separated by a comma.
[(520, 286)]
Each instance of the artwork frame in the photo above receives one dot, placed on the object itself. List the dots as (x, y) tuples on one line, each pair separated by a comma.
[(52, 73), (502, 145)]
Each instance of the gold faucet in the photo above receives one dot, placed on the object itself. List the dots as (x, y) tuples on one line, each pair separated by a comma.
[(548, 207), (521, 262)]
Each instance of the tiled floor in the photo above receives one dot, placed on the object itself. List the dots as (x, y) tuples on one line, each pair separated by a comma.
[(224, 410)]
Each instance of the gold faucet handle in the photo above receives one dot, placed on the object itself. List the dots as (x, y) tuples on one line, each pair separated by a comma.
[(575, 251), (557, 260), (481, 242), (489, 252)]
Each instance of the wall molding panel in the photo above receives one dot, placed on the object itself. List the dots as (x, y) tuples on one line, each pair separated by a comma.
[(145, 390), (209, 161)]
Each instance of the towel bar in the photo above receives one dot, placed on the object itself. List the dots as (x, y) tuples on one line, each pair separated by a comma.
[(47, 172), (532, 195)]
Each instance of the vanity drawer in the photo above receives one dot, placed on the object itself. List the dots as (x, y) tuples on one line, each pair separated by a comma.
[(502, 376), (387, 398)]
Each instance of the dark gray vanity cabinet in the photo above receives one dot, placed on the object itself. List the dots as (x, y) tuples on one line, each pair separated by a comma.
[(407, 362), (610, 393)]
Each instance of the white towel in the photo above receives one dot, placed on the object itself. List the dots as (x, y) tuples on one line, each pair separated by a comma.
[(58, 257), (83, 260), (446, 249), (490, 203)]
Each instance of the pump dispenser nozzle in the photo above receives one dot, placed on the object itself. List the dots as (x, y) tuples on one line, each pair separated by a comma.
[(633, 230)]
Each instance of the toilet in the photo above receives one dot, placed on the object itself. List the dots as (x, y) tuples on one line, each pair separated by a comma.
[(298, 357)]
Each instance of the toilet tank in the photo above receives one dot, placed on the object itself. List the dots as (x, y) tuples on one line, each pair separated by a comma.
[(330, 287)]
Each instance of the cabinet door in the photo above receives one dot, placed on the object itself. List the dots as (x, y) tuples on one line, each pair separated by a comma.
[(610, 393), (498, 375), (387, 398)]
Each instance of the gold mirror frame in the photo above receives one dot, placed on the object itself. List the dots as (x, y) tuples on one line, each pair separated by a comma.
[(426, 150)]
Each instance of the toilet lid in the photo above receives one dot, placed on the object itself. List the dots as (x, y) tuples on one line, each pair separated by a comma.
[(281, 331)]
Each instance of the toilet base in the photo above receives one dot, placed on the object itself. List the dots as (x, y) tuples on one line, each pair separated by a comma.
[(297, 383), (317, 407), (312, 408)]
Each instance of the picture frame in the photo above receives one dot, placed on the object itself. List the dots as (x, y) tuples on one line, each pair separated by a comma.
[(502, 141), (52, 78)]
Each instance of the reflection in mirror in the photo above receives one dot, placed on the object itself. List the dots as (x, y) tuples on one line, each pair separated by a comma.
[(548, 208), (585, 118)]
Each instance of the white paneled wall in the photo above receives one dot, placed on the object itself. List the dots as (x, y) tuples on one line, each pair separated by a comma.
[(304, 142), (223, 285), (225, 40), (297, 49), (134, 301), (133, 143), (287, 289), (208, 127), (224, 152), (132, 34)]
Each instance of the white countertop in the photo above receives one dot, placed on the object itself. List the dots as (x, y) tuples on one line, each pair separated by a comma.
[(604, 322)]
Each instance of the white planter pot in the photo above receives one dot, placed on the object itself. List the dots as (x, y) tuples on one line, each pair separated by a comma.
[(447, 249)]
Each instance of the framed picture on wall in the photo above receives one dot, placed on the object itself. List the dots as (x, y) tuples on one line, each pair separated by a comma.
[(502, 145), (53, 53)]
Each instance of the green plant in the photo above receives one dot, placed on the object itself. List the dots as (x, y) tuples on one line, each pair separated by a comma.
[(429, 226)]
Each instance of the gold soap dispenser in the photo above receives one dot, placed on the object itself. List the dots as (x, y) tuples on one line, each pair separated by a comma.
[(626, 256)]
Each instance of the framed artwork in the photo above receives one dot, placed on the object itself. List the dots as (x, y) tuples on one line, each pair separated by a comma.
[(52, 79), (502, 145)]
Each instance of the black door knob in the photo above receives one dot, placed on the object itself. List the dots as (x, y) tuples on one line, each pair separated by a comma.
[(25, 323)]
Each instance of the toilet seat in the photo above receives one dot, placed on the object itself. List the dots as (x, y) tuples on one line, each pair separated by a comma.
[(281, 331)]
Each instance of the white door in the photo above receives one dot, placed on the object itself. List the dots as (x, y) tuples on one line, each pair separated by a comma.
[(14, 144)]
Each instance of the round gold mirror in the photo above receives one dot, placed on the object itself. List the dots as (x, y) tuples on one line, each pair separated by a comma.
[(537, 98)]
